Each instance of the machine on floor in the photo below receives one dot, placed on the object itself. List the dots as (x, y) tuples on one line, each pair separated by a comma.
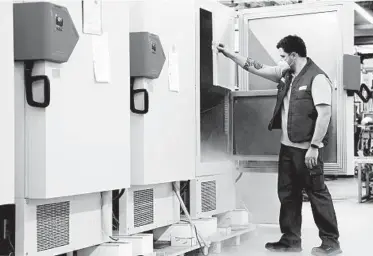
[(72, 124)]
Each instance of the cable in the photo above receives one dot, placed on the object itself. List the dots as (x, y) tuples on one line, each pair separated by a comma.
[(114, 206), (103, 222), (199, 242), (8, 239), (187, 213), (239, 177), (117, 222), (240, 198), (11, 245), (184, 187), (120, 194), (197, 235)]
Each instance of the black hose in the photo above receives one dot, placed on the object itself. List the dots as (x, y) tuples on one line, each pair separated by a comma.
[(119, 195)]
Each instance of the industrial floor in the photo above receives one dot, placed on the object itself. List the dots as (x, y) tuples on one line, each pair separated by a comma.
[(355, 224)]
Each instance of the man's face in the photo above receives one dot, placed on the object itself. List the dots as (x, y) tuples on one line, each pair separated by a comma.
[(289, 58)]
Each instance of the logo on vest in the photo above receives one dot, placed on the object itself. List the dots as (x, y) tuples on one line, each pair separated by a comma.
[(303, 88)]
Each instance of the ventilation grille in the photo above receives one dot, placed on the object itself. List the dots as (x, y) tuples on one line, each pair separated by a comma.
[(226, 115), (208, 196), (143, 207), (53, 225)]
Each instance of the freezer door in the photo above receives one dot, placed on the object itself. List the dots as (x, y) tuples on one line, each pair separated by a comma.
[(216, 23), (215, 77), (252, 107), (223, 26)]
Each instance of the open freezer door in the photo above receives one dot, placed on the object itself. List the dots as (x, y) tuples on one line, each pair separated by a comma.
[(223, 26), (215, 78), (216, 24), (320, 28)]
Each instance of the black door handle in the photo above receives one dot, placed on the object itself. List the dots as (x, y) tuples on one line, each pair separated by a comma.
[(30, 80), (146, 99)]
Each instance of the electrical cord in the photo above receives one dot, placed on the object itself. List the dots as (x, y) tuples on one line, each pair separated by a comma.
[(114, 224), (240, 198), (9, 241), (206, 245), (119, 195), (11, 253), (11, 245), (103, 222), (197, 235), (182, 189), (114, 217), (239, 177), (117, 222)]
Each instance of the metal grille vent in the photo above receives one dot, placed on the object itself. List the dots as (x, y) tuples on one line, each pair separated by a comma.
[(52, 225), (143, 207), (208, 196), (226, 115)]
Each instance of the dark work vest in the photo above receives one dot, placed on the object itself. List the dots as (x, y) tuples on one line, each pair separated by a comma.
[(302, 111)]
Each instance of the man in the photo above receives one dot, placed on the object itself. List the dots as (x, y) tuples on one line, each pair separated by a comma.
[(303, 112)]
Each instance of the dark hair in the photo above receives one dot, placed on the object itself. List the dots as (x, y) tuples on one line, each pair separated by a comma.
[(293, 44)]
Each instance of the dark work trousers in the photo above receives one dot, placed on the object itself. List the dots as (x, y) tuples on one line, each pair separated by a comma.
[(293, 176)]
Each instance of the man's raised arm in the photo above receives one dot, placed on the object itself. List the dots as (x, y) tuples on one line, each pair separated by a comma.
[(273, 73)]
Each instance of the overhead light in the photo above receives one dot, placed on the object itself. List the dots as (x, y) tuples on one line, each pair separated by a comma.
[(364, 13)]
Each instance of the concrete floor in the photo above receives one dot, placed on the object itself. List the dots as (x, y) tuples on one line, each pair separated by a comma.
[(355, 224)]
